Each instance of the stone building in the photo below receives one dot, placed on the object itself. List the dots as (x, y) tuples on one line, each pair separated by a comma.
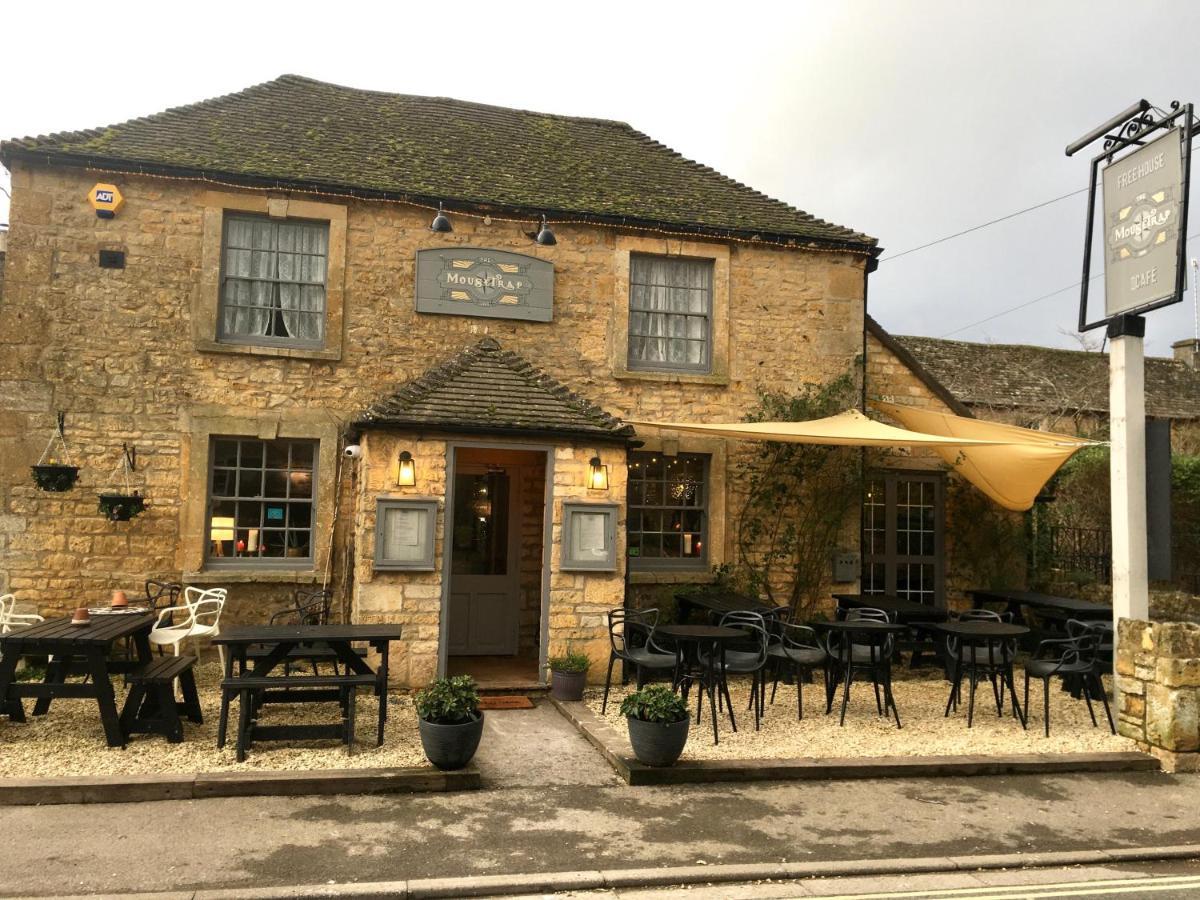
[(323, 389)]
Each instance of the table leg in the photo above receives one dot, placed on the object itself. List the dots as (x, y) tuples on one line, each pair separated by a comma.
[(13, 707), (849, 673), (105, 697), (1012, 689), (383, 693), (712, 699), (57, 671), (235, 650)]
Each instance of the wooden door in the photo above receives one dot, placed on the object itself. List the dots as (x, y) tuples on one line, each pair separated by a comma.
[(484, 577)]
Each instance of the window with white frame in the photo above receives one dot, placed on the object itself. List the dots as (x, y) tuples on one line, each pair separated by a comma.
[(261, 501), (670, 313), (273, 274)]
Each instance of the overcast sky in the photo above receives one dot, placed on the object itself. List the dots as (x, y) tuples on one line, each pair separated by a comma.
[(907, 120)]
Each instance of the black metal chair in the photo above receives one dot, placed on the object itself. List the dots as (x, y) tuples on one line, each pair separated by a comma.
[(798, 649), (873, 658), (159, 595), (631, 640), (1101, 664), (748, 657), (1068, 657), (990, 658)]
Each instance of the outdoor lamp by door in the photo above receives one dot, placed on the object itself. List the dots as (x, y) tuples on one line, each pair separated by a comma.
[(441, 224), (406, 470), (545, 236), (597, 475)]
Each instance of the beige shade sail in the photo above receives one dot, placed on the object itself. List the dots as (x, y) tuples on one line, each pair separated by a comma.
[(847, 429), (1012, 470)]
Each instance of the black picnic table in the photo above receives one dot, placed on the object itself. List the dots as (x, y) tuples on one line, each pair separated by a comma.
[(719, 602), (1057, 607), (903, 611), (76, 650), (280, 641)]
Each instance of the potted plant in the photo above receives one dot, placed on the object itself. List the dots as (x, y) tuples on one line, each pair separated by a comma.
[(568, 675), (54, 473), (658, 724), (124, 505), (449, 721)]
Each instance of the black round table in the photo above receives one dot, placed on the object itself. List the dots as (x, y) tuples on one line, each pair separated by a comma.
[(692, 666), (878, 663), (984, 648)]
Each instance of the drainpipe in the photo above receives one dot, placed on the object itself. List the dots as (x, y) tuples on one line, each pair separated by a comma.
[(871, 265)]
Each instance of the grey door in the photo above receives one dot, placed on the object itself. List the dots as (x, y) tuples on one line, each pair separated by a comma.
[(484, 581)]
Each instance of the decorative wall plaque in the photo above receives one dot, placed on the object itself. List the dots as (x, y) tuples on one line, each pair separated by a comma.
[(471, 281)]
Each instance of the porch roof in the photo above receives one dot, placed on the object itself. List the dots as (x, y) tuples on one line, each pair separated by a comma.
[(487, 389)]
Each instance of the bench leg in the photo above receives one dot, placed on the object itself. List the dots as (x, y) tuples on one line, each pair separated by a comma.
[(245, 702), (381, 690), (351, 694), (191, 700), (168, 713), (130, 711)]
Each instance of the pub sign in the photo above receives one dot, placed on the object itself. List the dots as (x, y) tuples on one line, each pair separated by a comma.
[(472, 281), (1142, 194)]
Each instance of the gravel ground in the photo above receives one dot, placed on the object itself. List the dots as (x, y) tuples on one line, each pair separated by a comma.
[(70, 741), (921, 698)]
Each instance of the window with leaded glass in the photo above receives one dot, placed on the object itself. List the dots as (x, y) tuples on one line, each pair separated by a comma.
[(273, 281), (261, 501), (667, 522), (670, 313), (902, 536)]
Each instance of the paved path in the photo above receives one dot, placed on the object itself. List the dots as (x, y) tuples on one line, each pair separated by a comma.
[(560, 808)]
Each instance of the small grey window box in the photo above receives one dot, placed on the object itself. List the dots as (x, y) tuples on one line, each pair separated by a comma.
[(589, 537), (404, 534)]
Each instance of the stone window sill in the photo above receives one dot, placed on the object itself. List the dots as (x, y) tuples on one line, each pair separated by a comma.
[(670, 577), (717, 379), (252, 350), (250, 576)]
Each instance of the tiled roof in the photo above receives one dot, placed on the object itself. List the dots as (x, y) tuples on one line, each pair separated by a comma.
[(491, 390), (1047, 378), (298, 132)]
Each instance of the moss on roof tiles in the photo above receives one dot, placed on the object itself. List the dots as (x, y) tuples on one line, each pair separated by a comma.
[(295, 130)]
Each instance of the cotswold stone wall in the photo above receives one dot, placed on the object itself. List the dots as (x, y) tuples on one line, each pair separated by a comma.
[(1158, 678)]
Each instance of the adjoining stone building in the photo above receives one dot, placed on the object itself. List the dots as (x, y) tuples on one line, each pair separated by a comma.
[(323, 390)]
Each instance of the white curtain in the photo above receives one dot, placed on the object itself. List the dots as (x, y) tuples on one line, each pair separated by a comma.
[(670, 302), (303, 249), (273, 266), (249, 275)]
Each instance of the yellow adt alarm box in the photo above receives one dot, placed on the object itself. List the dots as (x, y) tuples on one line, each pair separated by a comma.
[(106, 200)]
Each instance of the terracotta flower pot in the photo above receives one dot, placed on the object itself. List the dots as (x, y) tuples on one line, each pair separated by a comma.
[(119, 599), (81, 617)]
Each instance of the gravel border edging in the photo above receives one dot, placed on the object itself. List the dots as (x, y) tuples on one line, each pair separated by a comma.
[(595, 879), (614, 747), (268, 783)]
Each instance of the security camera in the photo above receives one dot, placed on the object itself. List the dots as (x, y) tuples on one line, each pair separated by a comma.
[(352, 451)]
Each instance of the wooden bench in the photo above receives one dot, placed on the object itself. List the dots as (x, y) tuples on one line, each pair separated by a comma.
[(313, 654), (253, 692), (151, 707)]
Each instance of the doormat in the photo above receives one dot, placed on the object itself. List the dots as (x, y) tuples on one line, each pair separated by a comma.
[(505, 701)]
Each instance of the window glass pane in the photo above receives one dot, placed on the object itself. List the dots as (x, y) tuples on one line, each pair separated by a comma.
[(670, 299), (666, 521), (276, 484)]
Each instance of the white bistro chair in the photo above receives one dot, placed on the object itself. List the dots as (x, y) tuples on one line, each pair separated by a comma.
[(10, 618), (200, 616)]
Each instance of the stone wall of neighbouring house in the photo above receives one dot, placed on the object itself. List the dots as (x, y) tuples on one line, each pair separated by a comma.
[(1158, 680), (118, 350)]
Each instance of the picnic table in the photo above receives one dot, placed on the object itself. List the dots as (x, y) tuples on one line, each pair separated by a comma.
[(256, 680), (983, 649), (76, 650), (1056, 607), (719, 602), (903, 611)]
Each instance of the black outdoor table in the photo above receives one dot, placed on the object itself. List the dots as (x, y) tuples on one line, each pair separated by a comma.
[(988, 637), (874, 632), (77, 650), (690, 664), (917, 616), (280, 641), (719, 602), (1014, 600)]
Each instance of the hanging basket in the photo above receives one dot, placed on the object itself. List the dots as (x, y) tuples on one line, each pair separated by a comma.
[(54, 477), (121, 507)]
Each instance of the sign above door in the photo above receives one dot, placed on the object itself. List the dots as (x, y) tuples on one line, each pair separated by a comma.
[(473, 281)]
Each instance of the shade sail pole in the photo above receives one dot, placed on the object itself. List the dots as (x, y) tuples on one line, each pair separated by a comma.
[(1127, 426)]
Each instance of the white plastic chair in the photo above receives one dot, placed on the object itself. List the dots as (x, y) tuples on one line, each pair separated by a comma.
[(10, 618), (202, 609)]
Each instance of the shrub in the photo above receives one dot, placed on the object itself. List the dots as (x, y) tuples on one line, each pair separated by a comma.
[(448, 701), (655, 704), (570, 662)]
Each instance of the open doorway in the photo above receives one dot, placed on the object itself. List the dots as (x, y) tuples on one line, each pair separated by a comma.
[(495, 544)]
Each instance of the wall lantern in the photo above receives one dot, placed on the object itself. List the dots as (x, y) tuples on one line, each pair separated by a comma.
[(441, 223), (406, 470), (545, 236), (597, 475)]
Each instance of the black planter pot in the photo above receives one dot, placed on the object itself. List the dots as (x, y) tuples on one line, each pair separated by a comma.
[(121, 507), (450, 747), (655, 743), (55, 478), (567, 685)]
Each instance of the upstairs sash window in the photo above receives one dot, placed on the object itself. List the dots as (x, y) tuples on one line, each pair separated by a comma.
[(670, 313)]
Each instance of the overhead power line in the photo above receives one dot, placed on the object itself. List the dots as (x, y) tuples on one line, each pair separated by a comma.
[(950, 237)]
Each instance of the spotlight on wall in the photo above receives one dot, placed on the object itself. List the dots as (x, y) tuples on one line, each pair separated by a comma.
[(441, 223), (597, 475), (545, 236), (406, 470)]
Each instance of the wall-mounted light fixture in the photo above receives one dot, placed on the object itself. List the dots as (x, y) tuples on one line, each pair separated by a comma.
[(406, 470), (597, 475), (441, 223), (545, 236)]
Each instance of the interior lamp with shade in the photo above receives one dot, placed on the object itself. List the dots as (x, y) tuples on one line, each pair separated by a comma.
[(220, 531)]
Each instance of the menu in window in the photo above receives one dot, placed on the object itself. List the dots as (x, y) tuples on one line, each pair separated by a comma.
[(402, 530), (590, 536)]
